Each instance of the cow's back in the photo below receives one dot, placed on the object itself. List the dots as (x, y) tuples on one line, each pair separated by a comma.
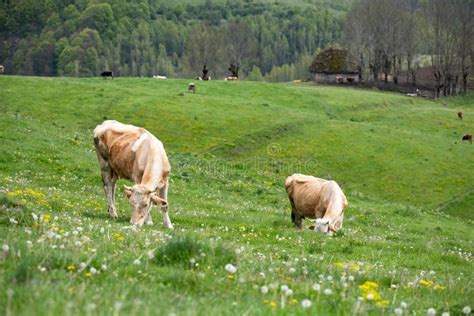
[(305, 191)]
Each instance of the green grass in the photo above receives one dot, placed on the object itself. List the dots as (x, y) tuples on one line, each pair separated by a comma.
[(408, 178)]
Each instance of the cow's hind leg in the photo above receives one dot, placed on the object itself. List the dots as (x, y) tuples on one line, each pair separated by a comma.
[(164, 208), (295, 217), (109, 179)]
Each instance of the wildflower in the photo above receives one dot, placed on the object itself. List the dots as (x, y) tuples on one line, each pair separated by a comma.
[(306, 303), (93, 270), (82, 265), (230, 268), (71, 267), (426, 283), (13, 221), (317, 287), (351, 278), (42, 269), (35, 217), (78, 243), (289, 292), (273, 304), (445, 314), (403, 304), (329, 278), (103, 267), (5, 248), (431, 312), (264, 289), (466, 310), (382, 304), (118, 305), (150, 254), (262, 274), (46, 218), (398, 311), (230, 276), (293, 301), (327, 291), (29, 244), (136, 262), (88, 274), (284, 288), (370, 297), (292, 270), (439, 287)]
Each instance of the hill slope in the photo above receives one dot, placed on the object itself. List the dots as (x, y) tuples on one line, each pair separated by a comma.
[(231, 145)]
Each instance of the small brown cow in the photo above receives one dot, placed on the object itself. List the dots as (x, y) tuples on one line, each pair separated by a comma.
[(468, 138), (316, 198), (192, 88), (460, 115)]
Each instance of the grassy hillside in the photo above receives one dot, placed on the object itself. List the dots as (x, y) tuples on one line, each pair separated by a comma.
[(408, 178)]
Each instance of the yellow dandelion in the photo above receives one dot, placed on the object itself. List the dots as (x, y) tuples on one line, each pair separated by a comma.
[(46, 218), (293, 301), (273, 304), (426, 283), (339, 264), (61, 231), (71, 267), (382, 304), (354, 266), (230, 276), (88, 274), (439, 287)]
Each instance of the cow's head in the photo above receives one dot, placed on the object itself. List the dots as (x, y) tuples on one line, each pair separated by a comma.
[(321, 226), (141, 199)]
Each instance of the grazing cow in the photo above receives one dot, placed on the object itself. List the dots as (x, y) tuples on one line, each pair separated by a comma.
[(133, 153), (460, 115), (105, 74), (316, 198), (468, 138), (2, 69), (159, 77), (192, 88), (231, 78)]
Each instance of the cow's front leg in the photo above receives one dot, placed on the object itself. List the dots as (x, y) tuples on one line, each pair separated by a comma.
[(164, 208), (148, 220)]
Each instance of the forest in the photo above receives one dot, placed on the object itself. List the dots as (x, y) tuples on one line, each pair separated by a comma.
[(159, 37)]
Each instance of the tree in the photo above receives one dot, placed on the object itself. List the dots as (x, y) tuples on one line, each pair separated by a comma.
[(255, 74)]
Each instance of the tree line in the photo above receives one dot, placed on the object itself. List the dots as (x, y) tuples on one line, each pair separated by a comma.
[(150, 37), (385, 36)]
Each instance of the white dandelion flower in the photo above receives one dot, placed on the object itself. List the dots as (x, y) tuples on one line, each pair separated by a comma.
[(5, 248), (284, 288), (136, 262), (230, 268), (370, 297), (289, 292), (403, 304), (327, 291), (29, 244), (317, 287), (466, 310), (306, 303), (264, 289), (93, 270), (103, 267), (445, 314), (431, 312), (398, 311), (13, 221), (292, 270)]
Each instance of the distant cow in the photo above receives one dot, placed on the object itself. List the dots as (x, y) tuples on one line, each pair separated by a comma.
[(192, 88), (106, 74), (460, 115), (2, 69), (159, 77), (133, 153), (317, 198), (231, 78), (468, 138)]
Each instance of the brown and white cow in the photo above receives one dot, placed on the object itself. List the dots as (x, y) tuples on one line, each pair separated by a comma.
[(316, 198), (133, 153)]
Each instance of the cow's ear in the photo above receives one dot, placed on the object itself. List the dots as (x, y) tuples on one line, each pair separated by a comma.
[(128, 191), (158, 200)]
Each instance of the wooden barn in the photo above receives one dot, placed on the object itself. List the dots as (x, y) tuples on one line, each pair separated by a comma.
[(334, 65)]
